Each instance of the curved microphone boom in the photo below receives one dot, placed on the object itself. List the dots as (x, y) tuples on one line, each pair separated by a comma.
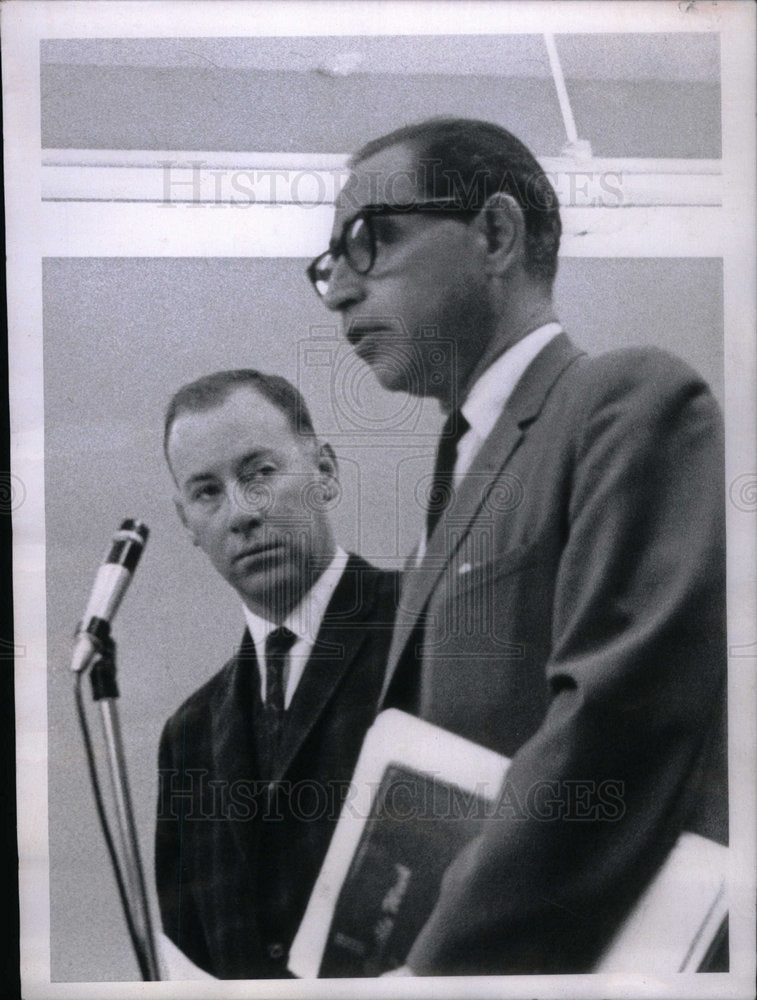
[(94, 649), (111, 583)]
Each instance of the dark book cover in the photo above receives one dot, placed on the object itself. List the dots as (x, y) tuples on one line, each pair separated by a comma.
[(417, 825)]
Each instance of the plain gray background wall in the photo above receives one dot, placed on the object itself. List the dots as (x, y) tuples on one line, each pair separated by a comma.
[(640, 95), (120, 336)]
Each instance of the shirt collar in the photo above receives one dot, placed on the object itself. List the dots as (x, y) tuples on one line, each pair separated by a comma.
[(304, 620), (494, 387)]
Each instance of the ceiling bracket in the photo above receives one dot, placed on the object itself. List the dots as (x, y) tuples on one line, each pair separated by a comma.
[(575, 148)]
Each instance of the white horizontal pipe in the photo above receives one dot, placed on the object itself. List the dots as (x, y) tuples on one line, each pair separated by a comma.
[(605, 183), (111, 229)]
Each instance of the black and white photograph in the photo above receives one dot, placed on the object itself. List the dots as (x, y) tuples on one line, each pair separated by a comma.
[(382, 386)]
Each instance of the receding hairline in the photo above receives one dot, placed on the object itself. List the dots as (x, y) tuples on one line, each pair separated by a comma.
[(417, 136), (212, 391), (358, 157), (473, 151), (217, 402)]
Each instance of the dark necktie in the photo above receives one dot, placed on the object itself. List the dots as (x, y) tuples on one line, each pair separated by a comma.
[(277, 645), (454, 428)]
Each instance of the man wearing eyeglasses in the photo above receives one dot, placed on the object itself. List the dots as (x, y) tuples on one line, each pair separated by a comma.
[(565, 604)]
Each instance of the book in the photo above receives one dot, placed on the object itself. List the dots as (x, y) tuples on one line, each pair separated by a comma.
[(419, 794), (678, 917), (174, 964)]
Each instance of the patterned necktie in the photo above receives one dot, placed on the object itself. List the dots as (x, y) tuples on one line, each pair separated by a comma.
[(277, 645), (440, 495)]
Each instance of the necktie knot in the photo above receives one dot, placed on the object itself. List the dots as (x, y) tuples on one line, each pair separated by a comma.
[(279, 642), (440, 494)]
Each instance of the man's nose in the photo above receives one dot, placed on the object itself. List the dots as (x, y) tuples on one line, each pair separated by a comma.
[(248, 504), (345, 288)]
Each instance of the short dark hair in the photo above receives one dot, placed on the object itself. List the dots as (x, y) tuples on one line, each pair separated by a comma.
[(212, 390), (471, 160)]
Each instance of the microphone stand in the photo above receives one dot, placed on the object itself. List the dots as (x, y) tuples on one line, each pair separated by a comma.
[(105, 691)]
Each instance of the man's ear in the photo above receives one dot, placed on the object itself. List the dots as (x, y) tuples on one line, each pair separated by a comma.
[(329, 469), (183, 518), (503, 226), (327, 463)]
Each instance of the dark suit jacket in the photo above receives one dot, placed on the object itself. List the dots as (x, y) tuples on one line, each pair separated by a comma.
[(574, 605), (237, 850)]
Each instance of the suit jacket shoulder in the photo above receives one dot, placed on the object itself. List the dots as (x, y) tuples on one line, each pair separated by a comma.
[(575, 382), (646, 376)]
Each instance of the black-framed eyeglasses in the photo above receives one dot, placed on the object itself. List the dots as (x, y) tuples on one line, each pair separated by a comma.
[(357, 241)]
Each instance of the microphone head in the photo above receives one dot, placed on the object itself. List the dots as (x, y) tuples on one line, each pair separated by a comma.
[(132, 526), (111, 582), (127, 544)]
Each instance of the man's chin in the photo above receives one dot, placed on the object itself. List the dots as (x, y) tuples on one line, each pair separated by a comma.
[(271, 594), (395, 378)]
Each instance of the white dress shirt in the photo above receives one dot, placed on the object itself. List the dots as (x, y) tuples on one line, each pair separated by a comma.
[(488, 396), (304, 620)]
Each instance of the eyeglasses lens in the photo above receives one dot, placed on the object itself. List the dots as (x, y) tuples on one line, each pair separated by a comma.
[(320, 273), (358, 245)]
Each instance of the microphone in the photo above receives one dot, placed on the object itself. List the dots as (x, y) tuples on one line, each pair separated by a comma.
[(112, 580)]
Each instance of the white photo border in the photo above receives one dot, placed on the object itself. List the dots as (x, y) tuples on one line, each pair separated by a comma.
[(24, 24)]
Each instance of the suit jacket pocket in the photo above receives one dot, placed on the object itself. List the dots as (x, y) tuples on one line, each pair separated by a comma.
[(465, 575)]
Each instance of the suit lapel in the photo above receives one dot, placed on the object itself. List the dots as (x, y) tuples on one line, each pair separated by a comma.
[(231, 713), (521, 409), (453, 524), (337, 644)]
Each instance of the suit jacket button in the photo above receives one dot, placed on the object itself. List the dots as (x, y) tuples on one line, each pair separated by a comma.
[(276, 950)]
